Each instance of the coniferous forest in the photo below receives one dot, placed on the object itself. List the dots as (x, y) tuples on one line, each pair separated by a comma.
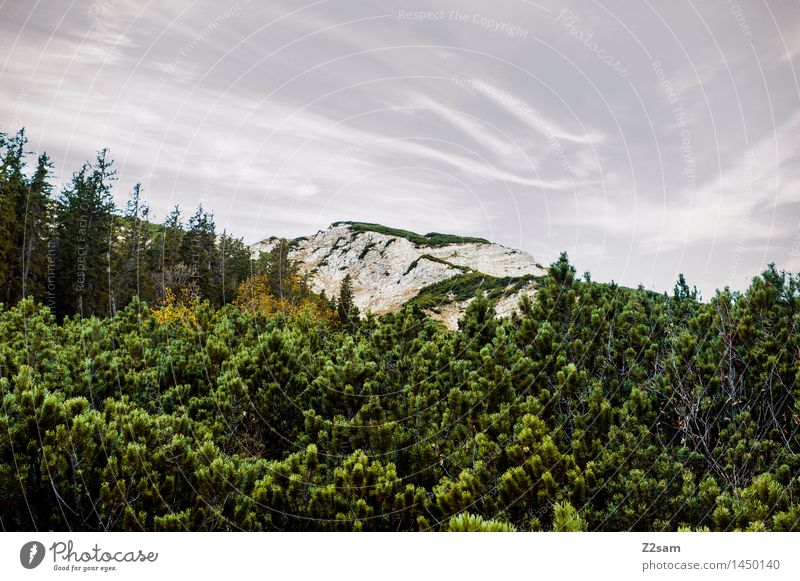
[(159, 377)]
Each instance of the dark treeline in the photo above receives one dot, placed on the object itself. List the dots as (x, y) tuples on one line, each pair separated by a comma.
[(77, 252), (594, 407)]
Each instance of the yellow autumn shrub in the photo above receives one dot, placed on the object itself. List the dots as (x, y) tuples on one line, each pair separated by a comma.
[(177, 308), (254, 296)]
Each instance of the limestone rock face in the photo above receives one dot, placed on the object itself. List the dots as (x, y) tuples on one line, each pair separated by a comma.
[(388, 269)]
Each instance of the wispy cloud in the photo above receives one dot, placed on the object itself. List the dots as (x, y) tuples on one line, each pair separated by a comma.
[(287, 117)]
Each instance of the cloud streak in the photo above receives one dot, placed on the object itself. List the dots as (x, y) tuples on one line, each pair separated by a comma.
[(285, 118)]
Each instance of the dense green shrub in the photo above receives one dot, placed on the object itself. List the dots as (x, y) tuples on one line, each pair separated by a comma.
[(595, 407)]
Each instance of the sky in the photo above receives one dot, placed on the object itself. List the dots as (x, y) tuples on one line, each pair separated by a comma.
[(645, 139)]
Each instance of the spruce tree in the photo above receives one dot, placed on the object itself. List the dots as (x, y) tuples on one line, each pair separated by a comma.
[(281, 271), (166, 254), (348, 312), (131, 273), (83, 253), (13, 200), (37, 233), (234, 266), (199, 254)]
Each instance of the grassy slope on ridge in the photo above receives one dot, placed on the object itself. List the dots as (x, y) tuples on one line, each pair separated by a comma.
[(430, 239)]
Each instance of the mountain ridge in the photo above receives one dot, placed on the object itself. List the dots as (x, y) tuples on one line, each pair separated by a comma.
[(390, 267)]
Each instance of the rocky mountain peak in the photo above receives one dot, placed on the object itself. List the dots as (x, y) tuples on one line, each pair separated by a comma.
[(390, 267)]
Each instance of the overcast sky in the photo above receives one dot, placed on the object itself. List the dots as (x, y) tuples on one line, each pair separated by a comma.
[(645, 138)]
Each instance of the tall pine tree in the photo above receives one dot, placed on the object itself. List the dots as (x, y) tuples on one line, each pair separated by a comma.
[(199, 254), (83, 252), (131, 274), (13, 189), (37, 233), (234, 266)]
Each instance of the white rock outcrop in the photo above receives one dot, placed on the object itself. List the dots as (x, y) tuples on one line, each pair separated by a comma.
[(389, 270)]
